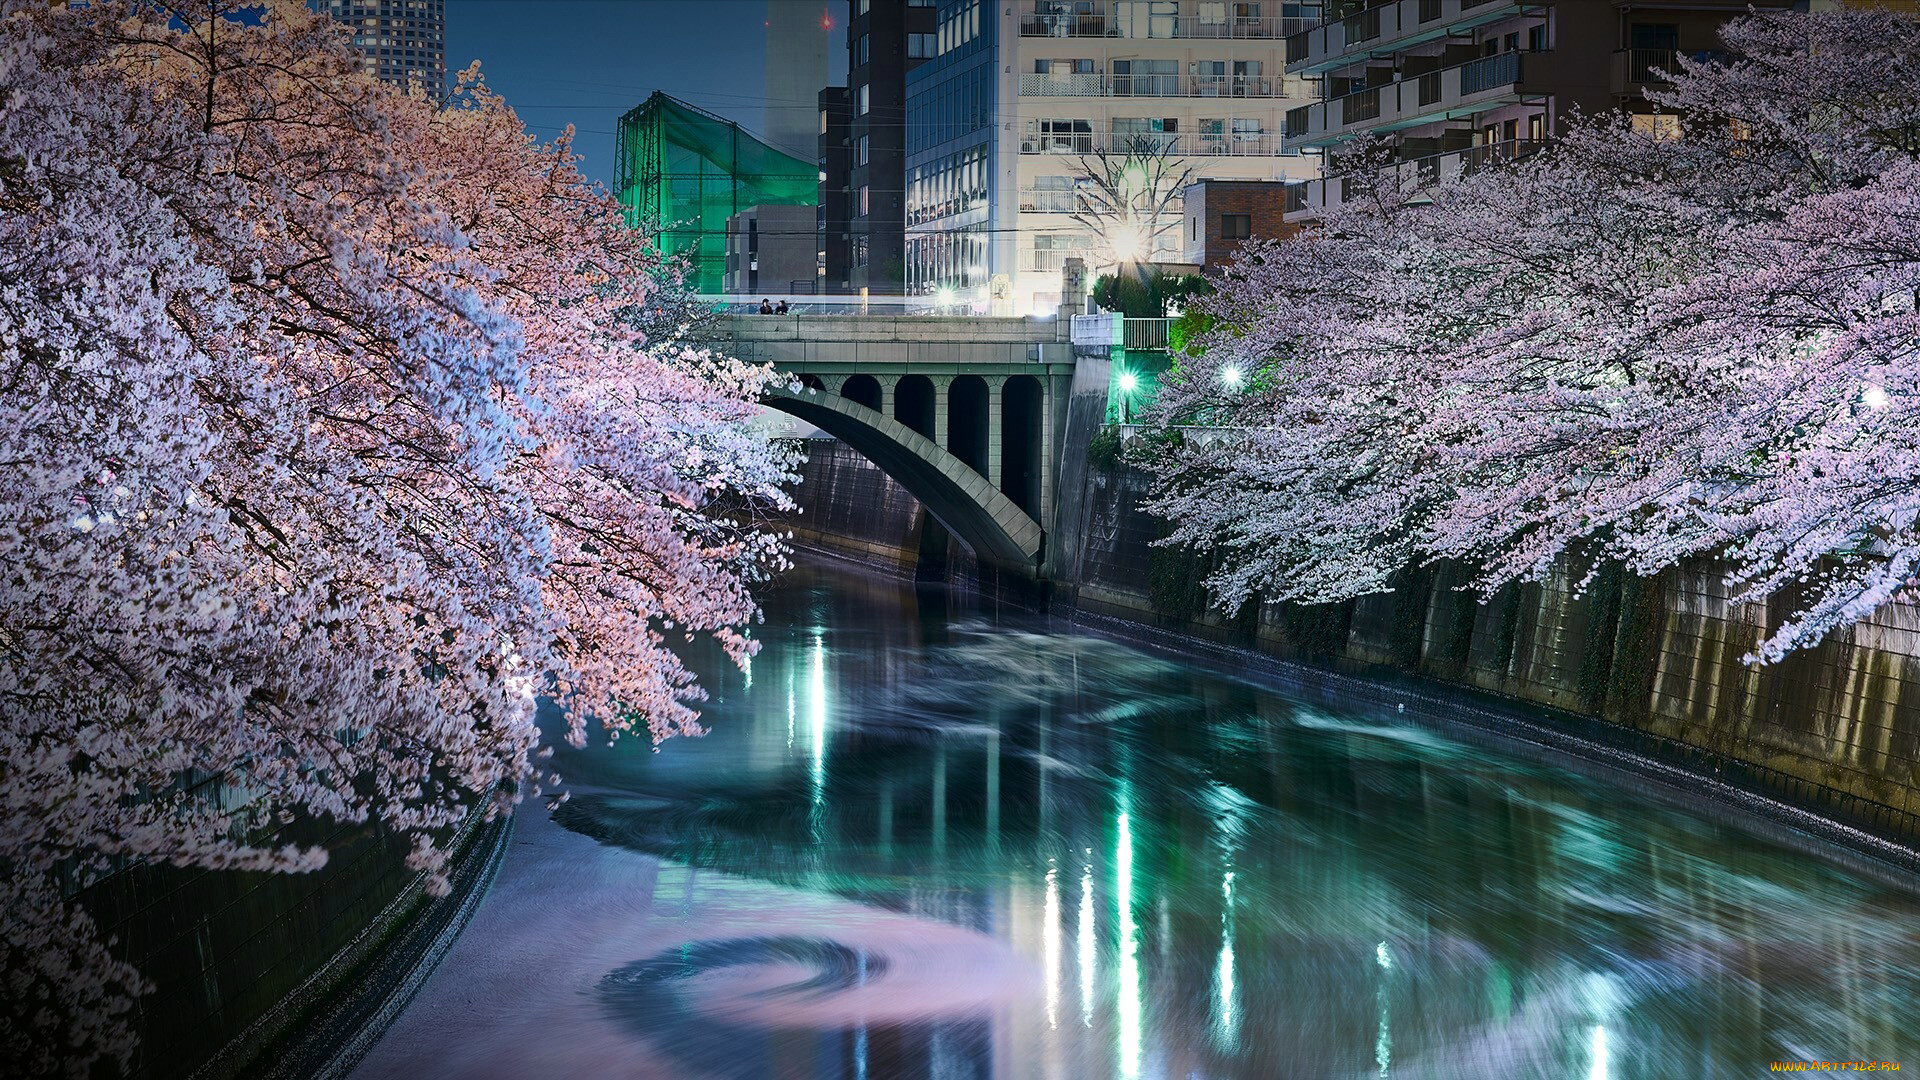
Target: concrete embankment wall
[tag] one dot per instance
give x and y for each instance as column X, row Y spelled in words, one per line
column 246, row 965
column 849, row 508
column 1653, row 666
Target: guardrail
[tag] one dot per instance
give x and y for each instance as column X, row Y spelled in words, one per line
column 1147, row 333
column 1197, row 434
column 1409, row 101
column 1184, row 144
column 1330, row 42
column 1090, row 84
column 1158, row 27
column 1313, row 196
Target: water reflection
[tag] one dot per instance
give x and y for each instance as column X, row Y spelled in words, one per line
column 1207, row 879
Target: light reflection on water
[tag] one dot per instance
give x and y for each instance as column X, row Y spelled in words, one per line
column 1207, row 879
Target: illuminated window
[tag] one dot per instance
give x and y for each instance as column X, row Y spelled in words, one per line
column 1658, row 125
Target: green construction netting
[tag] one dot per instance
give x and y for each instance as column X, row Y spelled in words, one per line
column 684, row 171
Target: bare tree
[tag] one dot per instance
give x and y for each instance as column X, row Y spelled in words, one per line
column 1130, row 196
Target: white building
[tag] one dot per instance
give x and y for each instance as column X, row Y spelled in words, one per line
column 1020, row 90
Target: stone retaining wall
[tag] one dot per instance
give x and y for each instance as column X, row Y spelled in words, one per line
column 1660, row 659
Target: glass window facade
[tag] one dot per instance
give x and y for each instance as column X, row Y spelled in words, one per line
column 950, row 154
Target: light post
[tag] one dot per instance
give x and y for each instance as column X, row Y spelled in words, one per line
column 1129, row 382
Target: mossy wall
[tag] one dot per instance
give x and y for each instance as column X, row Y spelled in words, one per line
column 1658, row 659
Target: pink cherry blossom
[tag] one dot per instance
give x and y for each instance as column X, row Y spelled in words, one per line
column 336, row 429
column 1627, row 348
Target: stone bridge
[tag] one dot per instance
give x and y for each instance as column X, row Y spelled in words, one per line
column 969, row 414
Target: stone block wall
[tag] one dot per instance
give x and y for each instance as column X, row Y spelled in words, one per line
column 849, row 507
column 1659, row 662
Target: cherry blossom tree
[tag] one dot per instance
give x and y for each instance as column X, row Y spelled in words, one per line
column 1631, row 347
column 331, row 437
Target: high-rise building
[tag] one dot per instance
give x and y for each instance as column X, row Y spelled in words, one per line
column 798, row 34
column 1018, row 94
column 1451, row 86
column 835, row 226
column 886, row 39
column 401, row 40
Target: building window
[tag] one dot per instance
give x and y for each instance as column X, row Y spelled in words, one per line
column 861, row 59
column 866, row 204
column 1658, row 125
column 1537, row 38
column 1236, row 226
column 1058, row 136
column 863, row 99
column 861, row 152
column 919, row 46
column 862, row 7
column 823, row 121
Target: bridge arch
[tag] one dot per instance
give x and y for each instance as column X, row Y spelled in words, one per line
column 990, row 523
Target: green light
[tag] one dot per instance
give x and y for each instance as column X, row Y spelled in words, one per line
column 1130, row 1027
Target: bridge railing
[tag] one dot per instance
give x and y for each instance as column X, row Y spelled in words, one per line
column 1197, row 434
column 812, row 304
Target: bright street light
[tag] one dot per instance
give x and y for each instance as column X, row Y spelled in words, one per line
column 1230, row 375
column 944, row 297
column 1129, row 382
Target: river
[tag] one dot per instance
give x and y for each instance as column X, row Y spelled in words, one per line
column 920, row 841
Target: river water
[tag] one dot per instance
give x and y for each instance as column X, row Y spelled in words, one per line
column 923, row 842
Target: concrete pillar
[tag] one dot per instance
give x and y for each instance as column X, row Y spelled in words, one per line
column 1073, row 288
column 942, row 392
column 995, row 385
column 1043, row 511
column 887, row 383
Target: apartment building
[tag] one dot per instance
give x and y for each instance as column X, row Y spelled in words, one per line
column 1020, row 91
column 1451, row 86
column 400, row 40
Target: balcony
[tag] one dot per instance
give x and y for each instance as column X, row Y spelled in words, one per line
column 1157, row 86
column 1185, row 144
column 1634, row 70
column 1105, row 24
column 1448, row 94
column 1306, row 201
column 1389, row 28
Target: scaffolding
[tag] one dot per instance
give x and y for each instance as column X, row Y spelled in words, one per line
column 684, row 171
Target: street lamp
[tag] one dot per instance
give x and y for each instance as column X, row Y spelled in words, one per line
column 1129, row 382
column 943, row 299
column 1231, row 376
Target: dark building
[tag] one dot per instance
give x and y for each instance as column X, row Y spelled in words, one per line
column 1220, row 215
column 401, row 39
column 836, row 193
column 885, row 40
column 1452, row 86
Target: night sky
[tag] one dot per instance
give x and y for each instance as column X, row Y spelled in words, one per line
column 587, row 61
